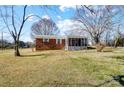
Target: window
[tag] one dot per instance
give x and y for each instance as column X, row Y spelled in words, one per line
column 58, row 41
column 45, row 40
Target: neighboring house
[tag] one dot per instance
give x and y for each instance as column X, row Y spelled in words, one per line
column 50, row 42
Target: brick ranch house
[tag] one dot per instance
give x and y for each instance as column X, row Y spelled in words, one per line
column 52, row 42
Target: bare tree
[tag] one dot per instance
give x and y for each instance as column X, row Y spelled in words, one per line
column 118, row 36
column 45, row 26
column 96, row 21
column 10, row 20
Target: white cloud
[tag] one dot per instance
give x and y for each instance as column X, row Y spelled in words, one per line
column 6, row 36
column 46, row 16
column 67, row 23
column 69, row 26
column 64, row 7
column 30, row 19
column 59, row 17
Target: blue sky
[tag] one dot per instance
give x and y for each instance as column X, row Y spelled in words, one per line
column 60, row 14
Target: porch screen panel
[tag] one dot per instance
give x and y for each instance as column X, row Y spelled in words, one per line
column 70, row 42
column 85, row 41
column 75, row 42
column 82, row 42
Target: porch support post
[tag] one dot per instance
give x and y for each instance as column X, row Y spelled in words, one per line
column 81, row 42
column 66, row 43
column 70, row 43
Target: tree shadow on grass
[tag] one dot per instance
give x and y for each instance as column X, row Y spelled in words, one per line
column 108, row 81
column 118, row 78
column 36, row 55
column 118, row 57
column 56, row 83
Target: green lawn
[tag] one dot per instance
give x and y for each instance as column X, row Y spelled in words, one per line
column 62, row 68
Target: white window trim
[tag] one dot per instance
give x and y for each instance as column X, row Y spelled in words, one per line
column 57, row 41
column 45, row 39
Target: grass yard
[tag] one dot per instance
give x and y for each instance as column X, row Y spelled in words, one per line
column 62, row 68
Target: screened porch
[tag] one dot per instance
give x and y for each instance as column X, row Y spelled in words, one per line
column 76, row 43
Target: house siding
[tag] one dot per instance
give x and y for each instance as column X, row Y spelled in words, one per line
column 51, row 45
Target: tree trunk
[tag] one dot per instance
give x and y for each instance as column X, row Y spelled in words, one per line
column 116, row 41
column 17, row 53
column 96, row 39
column 99, row 46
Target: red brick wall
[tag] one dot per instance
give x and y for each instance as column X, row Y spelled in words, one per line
column 40, row 45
